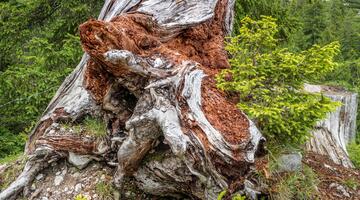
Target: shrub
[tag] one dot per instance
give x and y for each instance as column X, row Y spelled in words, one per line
column 269, row 81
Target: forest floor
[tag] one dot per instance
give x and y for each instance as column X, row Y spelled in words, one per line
column 62, row 181
column 336, row 181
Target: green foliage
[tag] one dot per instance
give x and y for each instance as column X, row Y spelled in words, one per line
column 354, row 153
column 296, row 185
column 39, row 48
column 95, row 127
column 80, row 197
column 269, row 81
column 279, row 9
column 235, row 197
column 105, row 191
column 10, row 144
column 221, row 195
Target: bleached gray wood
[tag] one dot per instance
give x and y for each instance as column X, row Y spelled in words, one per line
column 332, row 135
column 157, row 112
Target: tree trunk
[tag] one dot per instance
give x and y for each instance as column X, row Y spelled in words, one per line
column 148, row 72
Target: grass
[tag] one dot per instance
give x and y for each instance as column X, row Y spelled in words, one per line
column 352, row 183
column 10, row 158
column 354, row 153
column 90, row 126
column 95, row 127
column 296, row 185
column 105, row 191
column 12, row 172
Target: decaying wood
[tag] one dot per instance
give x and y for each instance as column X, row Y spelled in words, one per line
column 332, row 135
column 149, row 73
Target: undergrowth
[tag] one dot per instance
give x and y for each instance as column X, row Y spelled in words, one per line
column 354, row 153
column 105, row 191
column 12, row 171
column 295, row 185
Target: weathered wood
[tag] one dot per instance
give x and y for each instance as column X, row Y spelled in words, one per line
column 149, row 72
column 332, row 135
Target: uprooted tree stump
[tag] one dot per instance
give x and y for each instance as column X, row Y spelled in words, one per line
column 148, row 72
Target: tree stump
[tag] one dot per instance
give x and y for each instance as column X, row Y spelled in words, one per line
column 148, row 73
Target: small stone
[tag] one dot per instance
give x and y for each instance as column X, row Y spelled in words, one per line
column 340, row 189
column 78, row 187
column 44, row 198
column 39, row 177
column 102, row 177
column 66, row 189
column 129, row 194
column 76, row 174
column 64, row 171
column 79, row 161
column 48, row 189
column 290, row 162
column 116, row 195
column 58, row 180
column 33, row 187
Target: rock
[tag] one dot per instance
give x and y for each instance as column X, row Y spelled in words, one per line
column 33, row 187
column 116, row 195
column 64, row 171
column 78, row 187
column 39, row 177
column 58, row 180
column 340, row 189
column 290, row 162
column 129, row 194
column 79, row 161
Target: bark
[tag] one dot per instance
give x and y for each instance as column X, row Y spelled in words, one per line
column 149, row 73
column 331, row 135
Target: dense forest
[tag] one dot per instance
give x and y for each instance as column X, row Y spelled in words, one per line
column 276, row 46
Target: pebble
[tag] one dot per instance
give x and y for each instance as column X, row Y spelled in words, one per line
column 58, row 180
column 78, row 187
column 39, row 177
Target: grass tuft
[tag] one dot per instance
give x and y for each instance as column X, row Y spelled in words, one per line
column 95, row 127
